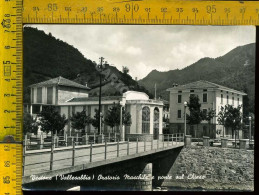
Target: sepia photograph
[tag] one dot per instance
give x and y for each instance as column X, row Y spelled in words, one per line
column 138, row 107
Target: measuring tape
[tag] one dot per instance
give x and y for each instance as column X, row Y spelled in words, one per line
column 13, row 13
column 11, row 96
column 142, row 12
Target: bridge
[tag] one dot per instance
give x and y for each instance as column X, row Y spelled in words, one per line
column 113, row 159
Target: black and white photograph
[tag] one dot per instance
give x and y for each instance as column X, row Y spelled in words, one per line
column 138, row 107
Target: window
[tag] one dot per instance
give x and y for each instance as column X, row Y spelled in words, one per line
column 35, row 109
column 227, row 99
column 156, row 121
column 145, row 120
column 238, row 101
column 191, row 90
column 221, row 99
column 205, row 97
column 179, row 91
column 233, row 99
column 32, row 95
column 204, row 130
column 191, row 95
column 204, row 111
column 49, row 95
column 204, row 89
column 179, row 98
column 179, row 128
column 39, row 95
column 179, row 114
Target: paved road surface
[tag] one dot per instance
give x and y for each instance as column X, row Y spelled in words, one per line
column 38, row 161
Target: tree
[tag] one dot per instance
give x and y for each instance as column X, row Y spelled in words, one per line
column 222, row 115
column 234, row 118
column 50, row 120
column 79, row 120
column 125, row 69
column 29, row 124
column 210, row 114
column 196, row 115
column 230, row 117
column 112, row 118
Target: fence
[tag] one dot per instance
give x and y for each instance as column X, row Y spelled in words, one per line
column 77, row 154
column 224, row 142
column 43, row 141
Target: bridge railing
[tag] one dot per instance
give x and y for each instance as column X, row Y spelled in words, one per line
column 57, row 158
column 43, row 141
column 223, row 142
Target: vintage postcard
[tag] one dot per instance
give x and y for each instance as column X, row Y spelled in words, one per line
column 138, row 107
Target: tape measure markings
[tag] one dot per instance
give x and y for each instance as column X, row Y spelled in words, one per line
column 142, row 12
column 85, row 12
column 11, row 95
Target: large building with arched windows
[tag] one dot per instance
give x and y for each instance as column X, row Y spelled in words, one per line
column 70, row 97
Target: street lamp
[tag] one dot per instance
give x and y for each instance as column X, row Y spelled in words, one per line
column 101, row 116
column 234, row 121
column 122, row 132
column 250, row 120
column 185, row 105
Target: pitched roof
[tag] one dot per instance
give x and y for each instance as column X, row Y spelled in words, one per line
column 204, row 85
column 86, row 99
column 59, row 81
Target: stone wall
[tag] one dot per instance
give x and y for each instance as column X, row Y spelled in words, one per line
column 212, row 169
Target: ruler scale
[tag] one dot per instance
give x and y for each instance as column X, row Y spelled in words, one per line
column 11, row 96
column 142, row 12
column 15, row 13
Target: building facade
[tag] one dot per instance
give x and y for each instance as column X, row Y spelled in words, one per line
column 70, row 97
column 212, row 96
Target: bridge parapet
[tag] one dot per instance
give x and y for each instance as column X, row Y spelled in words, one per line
column 58, row 159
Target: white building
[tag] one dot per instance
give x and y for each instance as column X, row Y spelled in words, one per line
column 70, row 97
column 212, row 96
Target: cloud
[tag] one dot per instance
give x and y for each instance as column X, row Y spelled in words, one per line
column 143, row 48
column 133, row 50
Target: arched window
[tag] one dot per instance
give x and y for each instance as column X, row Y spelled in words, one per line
column 145, row 120
column 156, row 123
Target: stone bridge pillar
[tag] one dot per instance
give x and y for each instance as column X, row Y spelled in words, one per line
column 206, row 141
column 187, row 140
column 224, row 142
column 242, row 144
column 145, row 184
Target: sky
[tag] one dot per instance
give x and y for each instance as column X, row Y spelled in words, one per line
column 143, row 48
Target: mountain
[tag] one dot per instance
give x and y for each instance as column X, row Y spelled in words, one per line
column 236, row 70
column 47, row 57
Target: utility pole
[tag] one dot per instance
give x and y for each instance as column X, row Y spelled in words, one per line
column 250, row 125
column 100, row 93
column 155, row 91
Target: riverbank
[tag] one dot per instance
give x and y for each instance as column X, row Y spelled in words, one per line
column 211, row 168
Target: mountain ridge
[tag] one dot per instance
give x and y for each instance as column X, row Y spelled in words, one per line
column 235, row 69
column 46, row 57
